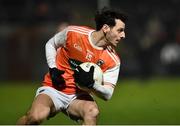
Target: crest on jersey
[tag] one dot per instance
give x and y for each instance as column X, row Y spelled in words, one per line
column 100, row 62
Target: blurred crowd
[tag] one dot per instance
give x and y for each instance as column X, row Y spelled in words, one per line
column 151, row 47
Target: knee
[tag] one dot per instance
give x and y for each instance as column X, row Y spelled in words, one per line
column 35, row 118
column 91, row 112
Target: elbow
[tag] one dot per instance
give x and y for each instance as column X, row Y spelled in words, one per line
column 105, row 93
column 50, row 44
column 108, row 94
column 107, row 97
column 47, row 45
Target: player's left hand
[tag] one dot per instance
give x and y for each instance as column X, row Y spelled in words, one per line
column 83, row 78
column 56, row 77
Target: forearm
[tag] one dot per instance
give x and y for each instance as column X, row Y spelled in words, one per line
column 103, row 91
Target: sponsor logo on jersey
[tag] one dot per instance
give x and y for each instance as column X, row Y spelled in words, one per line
column 78, row 47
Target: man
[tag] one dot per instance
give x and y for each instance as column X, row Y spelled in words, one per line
column 64, row 52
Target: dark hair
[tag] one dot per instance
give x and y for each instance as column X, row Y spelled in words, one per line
column 108, row 16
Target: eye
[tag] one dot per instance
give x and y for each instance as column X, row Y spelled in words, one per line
column 120, row 30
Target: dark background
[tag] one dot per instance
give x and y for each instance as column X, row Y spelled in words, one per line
column 151, row 47
column 147, row 92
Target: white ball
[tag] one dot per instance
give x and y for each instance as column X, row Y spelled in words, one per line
column 98, row 73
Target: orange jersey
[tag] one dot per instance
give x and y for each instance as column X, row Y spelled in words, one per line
column 74, row 47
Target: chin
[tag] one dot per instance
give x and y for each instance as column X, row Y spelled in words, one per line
column 115, row 44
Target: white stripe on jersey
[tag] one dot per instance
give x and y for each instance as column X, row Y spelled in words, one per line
column 78, row 32
column 80, row 29
column 117, row 59
column 113, row 53
column 112, row 56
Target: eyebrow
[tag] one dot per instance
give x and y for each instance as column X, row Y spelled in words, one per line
column 121, row 29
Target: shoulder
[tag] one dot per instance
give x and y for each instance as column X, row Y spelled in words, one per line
column 115, row 59
column 110, row 60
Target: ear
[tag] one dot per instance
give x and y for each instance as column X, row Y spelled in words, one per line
column 106, row 28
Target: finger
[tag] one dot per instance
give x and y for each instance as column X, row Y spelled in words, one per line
column 79, row 69
column 92, row 69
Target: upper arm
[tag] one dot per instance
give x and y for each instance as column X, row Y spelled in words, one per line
column 52, row 45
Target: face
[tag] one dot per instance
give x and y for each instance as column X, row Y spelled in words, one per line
column 115, row 34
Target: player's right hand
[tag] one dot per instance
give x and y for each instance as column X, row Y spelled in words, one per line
column 56, row 77
column 83, row 78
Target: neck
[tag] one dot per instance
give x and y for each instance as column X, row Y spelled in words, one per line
column 98, row 39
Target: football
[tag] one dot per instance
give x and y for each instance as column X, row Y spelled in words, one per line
column 98, row 73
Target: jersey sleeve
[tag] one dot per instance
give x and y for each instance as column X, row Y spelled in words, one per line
column 111, row 75
column 52, row 45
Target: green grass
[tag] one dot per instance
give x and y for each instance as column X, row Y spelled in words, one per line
column 156, row 101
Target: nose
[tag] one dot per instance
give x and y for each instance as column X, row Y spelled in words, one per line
column 123, row 35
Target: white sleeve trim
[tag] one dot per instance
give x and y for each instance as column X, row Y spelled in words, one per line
column 112, row 75
column 52, row 45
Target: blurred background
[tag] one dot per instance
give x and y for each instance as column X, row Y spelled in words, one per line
column 151, row 48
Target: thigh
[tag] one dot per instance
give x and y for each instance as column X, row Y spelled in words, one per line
column 78, row 106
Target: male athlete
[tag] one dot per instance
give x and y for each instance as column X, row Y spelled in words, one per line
column 64, row 52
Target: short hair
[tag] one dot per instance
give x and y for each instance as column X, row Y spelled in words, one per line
column 108, row 16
